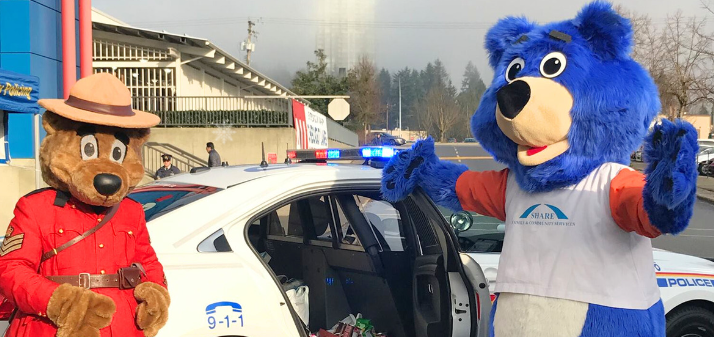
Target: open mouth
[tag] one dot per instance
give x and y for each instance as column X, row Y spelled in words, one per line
column 533, row 150
column 536, row 155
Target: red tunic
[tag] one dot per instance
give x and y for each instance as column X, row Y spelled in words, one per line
column 47, row 222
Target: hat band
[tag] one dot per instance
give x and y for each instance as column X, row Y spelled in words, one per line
column 115, row 110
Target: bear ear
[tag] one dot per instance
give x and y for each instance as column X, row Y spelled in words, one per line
column 503, row 35
column 607, row 32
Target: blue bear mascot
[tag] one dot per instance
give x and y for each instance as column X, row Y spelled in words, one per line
column 566, row 108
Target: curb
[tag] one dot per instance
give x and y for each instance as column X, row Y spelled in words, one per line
column 705, row 198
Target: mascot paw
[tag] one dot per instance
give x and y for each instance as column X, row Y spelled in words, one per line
column 79, row 312
column 153, row 310
column 403, row 172
column 670, row 153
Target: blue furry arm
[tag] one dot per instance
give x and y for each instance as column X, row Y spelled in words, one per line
column 419, row 166
column 449, row 184
column 670, row 175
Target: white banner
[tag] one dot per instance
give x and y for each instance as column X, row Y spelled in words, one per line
column 316, row 129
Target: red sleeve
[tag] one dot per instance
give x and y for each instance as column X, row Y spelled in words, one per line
column 626, row 203
column 483, row 192
column 19, row 263
column 145, row 254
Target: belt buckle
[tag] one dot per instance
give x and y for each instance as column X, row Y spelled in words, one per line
column 87, row 284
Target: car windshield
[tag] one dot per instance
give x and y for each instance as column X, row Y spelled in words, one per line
column 484, row 236
column 160, row 199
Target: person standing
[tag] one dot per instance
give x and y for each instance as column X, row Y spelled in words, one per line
column 214, row 159
column 167, row 169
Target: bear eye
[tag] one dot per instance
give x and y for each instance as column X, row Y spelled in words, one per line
column 514, row 68
column 118, row 151
column 553, row 64
column 88, row 147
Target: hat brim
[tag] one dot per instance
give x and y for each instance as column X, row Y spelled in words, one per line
column 139, row 120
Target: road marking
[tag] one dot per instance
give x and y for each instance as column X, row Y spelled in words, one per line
column 466, row 158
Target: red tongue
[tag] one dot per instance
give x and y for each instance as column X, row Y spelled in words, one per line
column 535, row 150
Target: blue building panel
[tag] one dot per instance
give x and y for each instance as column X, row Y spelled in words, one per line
column 20, row 137
column 44, row 32
column 15, row 26
column 17, row 62
column 50, row 73
column 51, row 4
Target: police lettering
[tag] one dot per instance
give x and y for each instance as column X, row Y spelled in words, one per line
column 9, row 89
column 685, row 282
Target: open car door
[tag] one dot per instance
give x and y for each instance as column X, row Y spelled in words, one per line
column 445, row 296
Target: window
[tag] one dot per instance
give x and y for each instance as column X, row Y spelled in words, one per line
column 160, row 199
column 215, row 243
column 347, row 234
column 290, row 219
column 385, row 222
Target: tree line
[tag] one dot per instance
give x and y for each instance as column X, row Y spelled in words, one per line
column 430, row 101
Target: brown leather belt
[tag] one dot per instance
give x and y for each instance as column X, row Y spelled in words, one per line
column 90, row 281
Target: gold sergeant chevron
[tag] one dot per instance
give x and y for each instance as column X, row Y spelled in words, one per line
column 11, row 244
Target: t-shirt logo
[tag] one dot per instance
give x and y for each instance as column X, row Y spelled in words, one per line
column 543, row 215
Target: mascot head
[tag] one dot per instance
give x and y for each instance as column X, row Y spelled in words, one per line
column 94, row 140
column 566, row 97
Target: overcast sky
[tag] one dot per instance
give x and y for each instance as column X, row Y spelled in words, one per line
column 282, row 47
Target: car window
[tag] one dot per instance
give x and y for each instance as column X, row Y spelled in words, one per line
column 160, row 199
column 385, row 221
column 347, row 234
column 485, row 235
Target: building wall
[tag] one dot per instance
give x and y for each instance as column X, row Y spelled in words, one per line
column 235, row 145
column 30, row 43
column 17, row 180
column 700, row 122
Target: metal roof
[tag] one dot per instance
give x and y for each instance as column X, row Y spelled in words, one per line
column 210, row 53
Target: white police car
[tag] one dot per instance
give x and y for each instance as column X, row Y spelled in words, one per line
column 235, row 240
column 686, row 283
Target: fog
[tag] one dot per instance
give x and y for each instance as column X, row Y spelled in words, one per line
column 408, row 33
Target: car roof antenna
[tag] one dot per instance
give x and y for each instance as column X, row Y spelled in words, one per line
column 263, row 163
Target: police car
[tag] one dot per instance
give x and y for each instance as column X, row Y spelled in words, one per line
column 234, row 241
column 686, row 282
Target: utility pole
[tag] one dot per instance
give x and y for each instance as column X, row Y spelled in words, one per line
column 400, row 106
column 249, row 44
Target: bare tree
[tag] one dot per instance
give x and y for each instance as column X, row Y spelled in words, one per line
column 365, row 93
column 679, row 57
column 440, row 113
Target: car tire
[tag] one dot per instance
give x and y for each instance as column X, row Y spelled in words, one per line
column 392, row 142
column 690, row 321
column 701, row 169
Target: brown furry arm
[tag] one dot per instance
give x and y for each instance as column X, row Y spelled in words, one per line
column 153, row 310
column 79, row 312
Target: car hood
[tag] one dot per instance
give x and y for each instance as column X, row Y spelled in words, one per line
column 670, row 262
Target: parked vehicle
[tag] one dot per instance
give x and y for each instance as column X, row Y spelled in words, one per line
column 470, row 140
column 387, row 139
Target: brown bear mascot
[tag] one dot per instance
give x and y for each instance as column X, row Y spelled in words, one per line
column 77, row 259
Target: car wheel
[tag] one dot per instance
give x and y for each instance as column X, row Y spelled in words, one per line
column 690, row 321
column 701, row 169
column 392, row 142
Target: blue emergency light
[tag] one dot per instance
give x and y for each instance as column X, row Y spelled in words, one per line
column 361, row 153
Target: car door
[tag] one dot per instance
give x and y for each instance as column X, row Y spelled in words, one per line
column 447, row 288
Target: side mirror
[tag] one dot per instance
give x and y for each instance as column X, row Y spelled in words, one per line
column 461, row 221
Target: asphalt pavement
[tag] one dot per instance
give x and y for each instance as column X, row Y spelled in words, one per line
column 697, row 239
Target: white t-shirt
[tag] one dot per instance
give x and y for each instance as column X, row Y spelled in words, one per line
column 565, row 244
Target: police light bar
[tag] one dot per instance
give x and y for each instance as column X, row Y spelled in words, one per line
column 359, row 153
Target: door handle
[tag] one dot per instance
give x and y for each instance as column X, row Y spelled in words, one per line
column 459, row 311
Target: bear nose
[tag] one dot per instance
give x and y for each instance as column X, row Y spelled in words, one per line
column 106, row 184
column 513, row 98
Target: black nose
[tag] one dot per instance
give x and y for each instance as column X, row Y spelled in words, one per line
column 512, row 98
column 106, row 184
